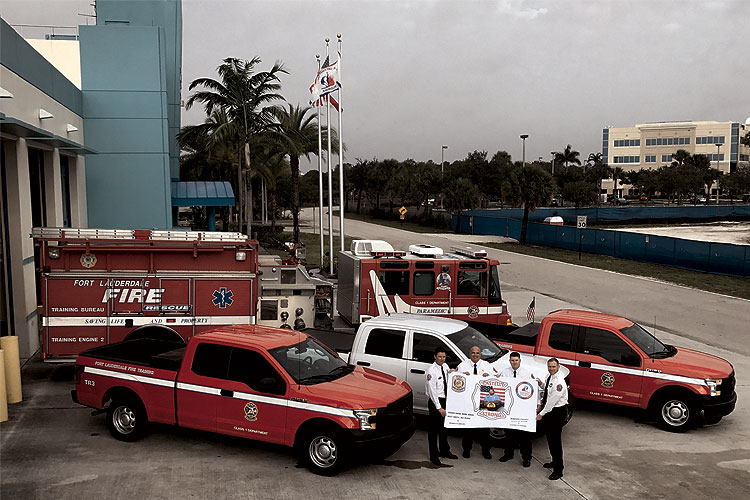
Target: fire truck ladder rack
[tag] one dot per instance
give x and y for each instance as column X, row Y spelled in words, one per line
column 65, row 233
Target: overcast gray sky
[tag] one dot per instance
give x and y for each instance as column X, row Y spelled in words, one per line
column 476, row 74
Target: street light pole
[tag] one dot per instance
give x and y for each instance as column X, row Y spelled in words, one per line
column 442, row 150
column 718, row 148
column 553, row 161
column 523, row 138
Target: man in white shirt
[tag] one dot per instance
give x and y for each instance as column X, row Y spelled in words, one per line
column 554, row 410
column 475, row 365
column 515, row 437
column 436, row 387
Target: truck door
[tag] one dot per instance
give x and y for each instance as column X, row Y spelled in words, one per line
column 608, row 369
column 421, row 356
column 384, row 350
column 253, row 400
column 199, row 388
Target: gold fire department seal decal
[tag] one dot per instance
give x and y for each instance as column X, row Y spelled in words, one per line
column 251, row 412
column 88, row 260
column 608, row 380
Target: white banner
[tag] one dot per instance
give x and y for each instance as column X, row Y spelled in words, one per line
column 505, row 402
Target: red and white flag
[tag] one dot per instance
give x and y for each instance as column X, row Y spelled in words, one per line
column 327, row 80
column 530, row 310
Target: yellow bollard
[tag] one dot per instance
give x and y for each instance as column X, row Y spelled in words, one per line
column 3, row 399
column 9, row 346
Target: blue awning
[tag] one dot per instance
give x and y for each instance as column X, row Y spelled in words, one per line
column 202, row 194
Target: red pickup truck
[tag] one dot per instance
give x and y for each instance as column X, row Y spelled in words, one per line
column 615, row 360
column 250, row 381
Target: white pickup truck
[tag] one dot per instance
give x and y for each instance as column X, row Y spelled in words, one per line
column 403, row 345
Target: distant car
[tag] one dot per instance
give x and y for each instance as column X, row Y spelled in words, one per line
column 644, row 197
column 701, row 199
column 622, row 200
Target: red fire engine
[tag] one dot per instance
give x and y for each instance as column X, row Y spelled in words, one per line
column 375, row 279
column 97, row 285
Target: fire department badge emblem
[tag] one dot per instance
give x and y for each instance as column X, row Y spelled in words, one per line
column 459, row 383
column 473, row 311
column 608, row 380
column 251, row 412
column 88, row 260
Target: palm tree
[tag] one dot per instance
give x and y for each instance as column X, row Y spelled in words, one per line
column 568, row 156
column 460, row 195
column 298, row 136
column 617, row 173
column 531, row 186
column 246, row 97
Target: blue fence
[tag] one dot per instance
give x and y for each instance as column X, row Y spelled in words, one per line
column 619, row 214
column 720, row 258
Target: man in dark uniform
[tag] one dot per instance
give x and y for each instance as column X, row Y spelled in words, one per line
column 436, row 387
column 554, row 410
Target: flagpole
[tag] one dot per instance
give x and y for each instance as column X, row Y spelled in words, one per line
column 320, row 179
column 330, row 180
column 341, row 157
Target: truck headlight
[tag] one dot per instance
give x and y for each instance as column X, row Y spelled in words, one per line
column 715, row 385
column 366, row 419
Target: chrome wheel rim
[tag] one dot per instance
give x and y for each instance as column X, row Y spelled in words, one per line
column 123, row 419
column 323, row 451
column 675, row 413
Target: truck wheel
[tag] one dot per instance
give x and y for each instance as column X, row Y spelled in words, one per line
column 126, row 419
column 324, row 451
column 676, row 413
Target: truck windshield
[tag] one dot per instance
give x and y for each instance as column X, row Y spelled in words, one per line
column 310, row 362
column 469, row 337
column 649, row 344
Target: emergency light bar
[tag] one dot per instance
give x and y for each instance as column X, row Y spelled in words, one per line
column 395, row 253
column 477, row 253
column 67, row 233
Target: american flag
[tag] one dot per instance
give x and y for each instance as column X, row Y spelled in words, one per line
column 484, row 391
column 530, row 310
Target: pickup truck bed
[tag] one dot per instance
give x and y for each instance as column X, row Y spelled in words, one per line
column 525, row 335
column 336, row 340
column 152, row 353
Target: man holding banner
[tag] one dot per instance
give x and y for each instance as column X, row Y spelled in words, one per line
column 475, row 365
column 514, row 437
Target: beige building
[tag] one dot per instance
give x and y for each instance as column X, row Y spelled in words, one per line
column 651, row 145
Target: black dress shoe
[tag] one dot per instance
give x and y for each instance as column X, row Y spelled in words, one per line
column 527, row 463
column 555, row 475
column 486, row 454
column 436, row 461
column 450, row 455
column 505, row 458
column 547, row 465
column 466, row 454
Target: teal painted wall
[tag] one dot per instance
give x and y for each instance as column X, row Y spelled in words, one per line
column 125, row 120
column 131, row 79
column 166, row 14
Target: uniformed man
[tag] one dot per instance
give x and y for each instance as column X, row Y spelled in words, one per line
column 514, row 437
column 436, row 387
column 554, row 410
column 475, row 365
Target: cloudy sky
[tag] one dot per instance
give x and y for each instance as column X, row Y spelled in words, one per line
column 474, row 75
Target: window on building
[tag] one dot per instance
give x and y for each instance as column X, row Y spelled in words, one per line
column 666, row 158
column 627, row 159
column 65, row 187
column 386, row 343
column 650, row 158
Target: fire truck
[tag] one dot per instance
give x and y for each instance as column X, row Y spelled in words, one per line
column 375, row 279
column 99, row 286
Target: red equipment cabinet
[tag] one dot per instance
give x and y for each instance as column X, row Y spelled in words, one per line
column 98, row 285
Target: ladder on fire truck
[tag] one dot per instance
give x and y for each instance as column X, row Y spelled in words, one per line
column 73, row 234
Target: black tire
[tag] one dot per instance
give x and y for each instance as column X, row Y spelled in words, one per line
column 324, row 450
column 676, row 412
column 126, row 419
